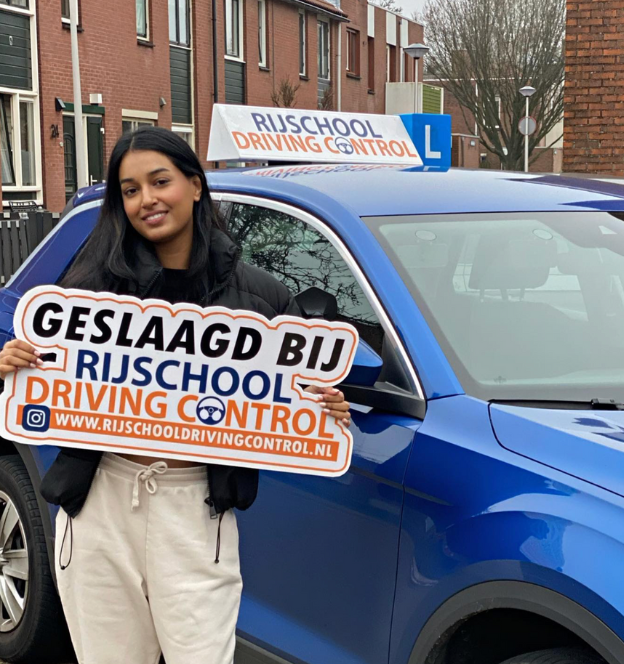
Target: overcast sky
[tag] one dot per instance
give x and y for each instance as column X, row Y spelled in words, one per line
column 411, row 5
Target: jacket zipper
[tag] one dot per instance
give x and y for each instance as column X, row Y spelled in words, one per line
column 221, row 287
column 151, row 283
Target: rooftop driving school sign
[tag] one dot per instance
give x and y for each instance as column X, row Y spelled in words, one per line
column 248, row 133
column 178, row 381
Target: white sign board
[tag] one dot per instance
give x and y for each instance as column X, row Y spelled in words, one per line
column 254, row 133
column 177, row 381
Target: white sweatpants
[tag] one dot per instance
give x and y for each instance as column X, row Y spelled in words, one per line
column 145, row 579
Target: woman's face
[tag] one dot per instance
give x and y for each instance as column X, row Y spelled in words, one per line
column 158, row 199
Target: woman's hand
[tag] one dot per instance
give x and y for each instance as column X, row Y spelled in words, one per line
column 332, row 402
column 16, row 354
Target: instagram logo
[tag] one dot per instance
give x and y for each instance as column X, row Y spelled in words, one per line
column 36, row 418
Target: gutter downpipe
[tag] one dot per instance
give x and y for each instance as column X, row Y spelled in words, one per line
column 339, row 73
column 215, row 61
column 81, row 166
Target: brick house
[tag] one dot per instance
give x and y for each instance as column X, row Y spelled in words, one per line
column 151, row 61
column 594, row 100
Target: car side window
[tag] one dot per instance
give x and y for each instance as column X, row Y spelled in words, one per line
column 301, row 257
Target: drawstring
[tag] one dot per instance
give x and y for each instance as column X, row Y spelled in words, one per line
column 219, row 537
column 147, row 476
column 68, row 524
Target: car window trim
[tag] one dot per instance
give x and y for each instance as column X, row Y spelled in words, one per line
column 319, row 225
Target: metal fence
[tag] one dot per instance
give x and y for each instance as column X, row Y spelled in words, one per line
column 20, row 232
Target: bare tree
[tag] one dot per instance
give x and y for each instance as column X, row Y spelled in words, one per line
column 484, row 51
column 286, row 94
column 390, row 5
column 326, row 102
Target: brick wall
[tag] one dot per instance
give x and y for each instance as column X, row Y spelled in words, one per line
column 594, row 87
column 128, row 75
column 132, row 75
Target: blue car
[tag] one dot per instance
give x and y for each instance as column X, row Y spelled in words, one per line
column 482, row 518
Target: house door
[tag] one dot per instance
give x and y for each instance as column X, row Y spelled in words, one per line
column 95, row 152
column 69, row 146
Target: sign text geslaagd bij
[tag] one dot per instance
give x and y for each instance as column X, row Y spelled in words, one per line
column 256, row 133
column 178, row 381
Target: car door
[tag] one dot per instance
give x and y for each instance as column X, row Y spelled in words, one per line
column 319, row 555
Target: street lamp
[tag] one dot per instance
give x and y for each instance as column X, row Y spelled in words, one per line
column 416, row 51
column 527, row 92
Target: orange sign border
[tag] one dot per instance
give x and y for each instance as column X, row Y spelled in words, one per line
column 234, row 314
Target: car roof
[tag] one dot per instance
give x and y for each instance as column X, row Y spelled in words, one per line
column 380, row 190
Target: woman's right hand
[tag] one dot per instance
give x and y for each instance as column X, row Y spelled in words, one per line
column 16, row 354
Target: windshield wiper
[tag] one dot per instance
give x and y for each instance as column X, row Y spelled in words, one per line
column 594, row 404
column 606, row 404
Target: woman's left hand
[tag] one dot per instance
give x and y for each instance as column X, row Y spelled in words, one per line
column 333, row 402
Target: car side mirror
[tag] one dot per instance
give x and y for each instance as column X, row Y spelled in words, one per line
column 316, row 303
column 366, row 366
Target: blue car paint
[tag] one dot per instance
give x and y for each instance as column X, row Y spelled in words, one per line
column 476, row 512
column 351, row 527
column 428, row 508
column 585, row 444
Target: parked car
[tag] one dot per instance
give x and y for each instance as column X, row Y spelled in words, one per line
column 482, row 518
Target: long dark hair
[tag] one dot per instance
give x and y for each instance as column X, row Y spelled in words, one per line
column 105, row 260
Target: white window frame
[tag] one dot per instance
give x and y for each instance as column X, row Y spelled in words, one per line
column 353, row 68
column 325, row 22
column 189, row 30
column 147, row 23
column 228, row 31
column 32, row 96
column 65, row 19
column 143, row 117
column 13, row 8
column 85, row 139
column 303, row 43
column 187, row 130
column 262, row 33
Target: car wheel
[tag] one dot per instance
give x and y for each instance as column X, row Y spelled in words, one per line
column 557, row 656
column 32, row 625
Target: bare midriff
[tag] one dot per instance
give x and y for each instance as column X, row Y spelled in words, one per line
column 148, row 461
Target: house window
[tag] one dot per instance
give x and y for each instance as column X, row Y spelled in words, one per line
column 302, row 43
column 323, row 49
column 390, row 63
column 27, row 147
column 17, row 141
column 65, row 10
column 179, row 22
column 185, row 133
column 234, row 28
column 353, row 52
column 22, row 4
column 371, row 63
column 262, row 37
column 142, row 18
column 7, row 141
column 130, row 124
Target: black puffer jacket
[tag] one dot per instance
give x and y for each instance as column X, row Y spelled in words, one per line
column 233, row 284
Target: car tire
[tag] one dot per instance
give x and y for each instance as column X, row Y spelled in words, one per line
column 32, row 629
column 557, row 656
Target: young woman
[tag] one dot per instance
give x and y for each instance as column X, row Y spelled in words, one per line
column 136, row 564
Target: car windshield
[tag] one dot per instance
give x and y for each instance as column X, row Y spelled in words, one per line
column 526, row 306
